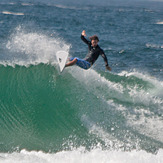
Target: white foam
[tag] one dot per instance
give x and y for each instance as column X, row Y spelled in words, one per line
column 159, row 23
column 142, row 119
column 26, row 4
column 12, row 13
column 140, row 115
column 65, row 7
column 90, row 76
column 80, row 155
column 100, row 132
column 149, row 45
column 155, row 82
column 71, row 7
column 147, row 124
column 116, row 90
column 145, row 116
column 11, row 3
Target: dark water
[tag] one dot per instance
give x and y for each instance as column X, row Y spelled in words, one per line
column 78, row 110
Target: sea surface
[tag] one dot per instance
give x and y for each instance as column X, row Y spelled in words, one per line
column 82, row 116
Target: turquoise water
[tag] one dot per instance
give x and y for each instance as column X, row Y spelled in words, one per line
column 80, row 115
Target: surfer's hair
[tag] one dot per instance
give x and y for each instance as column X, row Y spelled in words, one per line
column 94, row 37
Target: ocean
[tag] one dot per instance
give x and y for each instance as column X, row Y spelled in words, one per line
column 81, row 115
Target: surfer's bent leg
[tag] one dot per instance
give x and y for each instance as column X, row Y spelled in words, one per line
column 72, row 62
column 83, row 64
column 79, row 62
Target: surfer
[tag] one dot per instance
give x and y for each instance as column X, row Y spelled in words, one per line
column 94, row 52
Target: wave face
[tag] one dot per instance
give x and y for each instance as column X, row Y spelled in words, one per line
column 93, row 115
column 43, row 110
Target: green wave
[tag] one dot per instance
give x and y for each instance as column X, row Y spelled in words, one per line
column 42, row 109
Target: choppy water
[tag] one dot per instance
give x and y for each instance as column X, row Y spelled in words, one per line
column 81, row 116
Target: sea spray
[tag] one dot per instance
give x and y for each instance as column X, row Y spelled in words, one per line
column 33, row 47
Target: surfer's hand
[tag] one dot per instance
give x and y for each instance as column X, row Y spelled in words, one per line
column 83, row 33
column 108, row 68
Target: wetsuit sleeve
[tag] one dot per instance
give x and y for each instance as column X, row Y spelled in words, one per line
column 104, row 57
column 85, row 40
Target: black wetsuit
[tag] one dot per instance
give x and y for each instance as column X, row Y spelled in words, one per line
column 94, row 52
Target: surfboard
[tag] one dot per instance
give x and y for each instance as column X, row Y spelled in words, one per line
column 61, row 58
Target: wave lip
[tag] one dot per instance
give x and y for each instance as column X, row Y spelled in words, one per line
column 26, row 48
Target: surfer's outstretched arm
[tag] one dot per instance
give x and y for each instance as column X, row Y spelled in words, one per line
column 83, row 37
column 106, row 61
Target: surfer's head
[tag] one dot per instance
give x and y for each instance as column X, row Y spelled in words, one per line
column 94, row 40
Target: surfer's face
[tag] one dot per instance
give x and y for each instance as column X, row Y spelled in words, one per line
column 94, row 43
